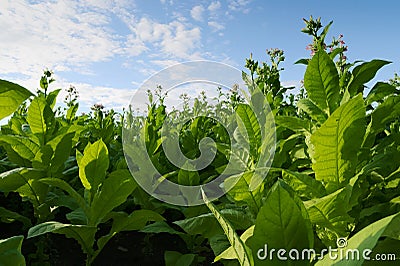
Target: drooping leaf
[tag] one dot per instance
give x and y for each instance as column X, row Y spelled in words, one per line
column 52, row 97
column 365, row 239
column 93, row 164
column 294, row 123
column 385, row 113
column 82, row 233
column 321, row 81
column 22, row 146
column 334, row 146
column 281, row 223
column 331, row 212
column 137, row 220
column 57, row 182
column 240, row 191
column 114, row 191
column 11, row 180
column 7, row 216
column 304, row 185
column 11, row 97
column 207, row 226
column 364, row 73
column 10, row 251
column 379, row 92
column 312, row 110
column 243, row 253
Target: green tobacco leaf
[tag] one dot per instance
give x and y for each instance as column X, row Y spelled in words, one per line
column 331, row 211
column 81, row 233
column 248, row 126
column 229, row 253
column 207, row 226
column 10, row 251
column 304, row 185
column 93, row 164
column 12, row 180
column 294, row 123
column 334, row 146
column 174, row 258
column 379, row 92
column 137, row 220
column 365, row 239
column 321, row 81
column 281, row 223
column 160, row 227
column 56, row 182
column 114, row 191
column 22, row 146
column 312, row 110
column 62, row 146
column 52, row 97
column 385, row 113
column 242, row 251
column 11, row 97
column 40, row 117
column 303, row 61
column 239, row 190
column 7, row 216
column 188, row 178
column 364, row 73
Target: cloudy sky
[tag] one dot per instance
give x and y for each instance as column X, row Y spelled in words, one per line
column 107, row 48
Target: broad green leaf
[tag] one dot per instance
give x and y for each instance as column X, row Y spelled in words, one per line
column 188, row 178
column 304, row 185
column 24, row 147
column 334, row 146
column 242, row 251
column 52, row 97
column 364, row 73
column 93, row 164
column 12, row 180
column 82, row 233
column 379, row 92
column 160, row 227
column 239, row 190
column 11, row 97
column 62, row 146
column 282, row 223
column 385, row 113
column 207, row 226
column 114, row 191
column 331, row 212
column 40, row 117
column 321, row 81
column 229, row 253
column 71, row 112
column 364, row 240
column 249, row 126
column 174, row 258
column 137, row 220
column 10, row 251
column 312, row 110
column 7, row 216
column 56, row 182
column 294, row 123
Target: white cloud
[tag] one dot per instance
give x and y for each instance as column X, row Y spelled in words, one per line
column 215, row 26
column 239, row 5
column 214, row 6
column 51, row 34
column 197, row 13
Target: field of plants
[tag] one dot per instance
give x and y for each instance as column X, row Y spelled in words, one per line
column 331, row 195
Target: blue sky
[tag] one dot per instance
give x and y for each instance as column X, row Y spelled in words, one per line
column 107, row 48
